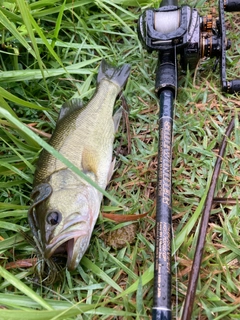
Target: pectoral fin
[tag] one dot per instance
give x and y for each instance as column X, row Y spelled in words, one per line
column 117, row 118
column 89, row 163
column 111, row 170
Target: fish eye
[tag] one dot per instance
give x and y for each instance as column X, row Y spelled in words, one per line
column 53, row 218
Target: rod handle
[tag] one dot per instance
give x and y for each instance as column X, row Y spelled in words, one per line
column 232, row 5
column 161, row 314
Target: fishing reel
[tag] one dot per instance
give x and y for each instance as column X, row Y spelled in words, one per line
column 190, row 35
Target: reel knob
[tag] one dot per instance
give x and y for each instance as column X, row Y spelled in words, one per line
column 231, row 5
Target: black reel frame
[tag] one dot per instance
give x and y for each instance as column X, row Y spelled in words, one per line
column 194, row 38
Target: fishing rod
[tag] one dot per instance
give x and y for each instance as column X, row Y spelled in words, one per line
column 174, row 31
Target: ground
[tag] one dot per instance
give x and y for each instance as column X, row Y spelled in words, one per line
column 50, row 52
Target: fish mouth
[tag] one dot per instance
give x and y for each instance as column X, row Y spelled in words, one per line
column 72, row 243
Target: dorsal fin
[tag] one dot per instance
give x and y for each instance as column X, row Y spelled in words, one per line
column 69, row 107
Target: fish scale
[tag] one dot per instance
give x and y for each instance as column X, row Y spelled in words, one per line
column 80, row 132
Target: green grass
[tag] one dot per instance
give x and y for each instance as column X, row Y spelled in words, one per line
column 50, row 53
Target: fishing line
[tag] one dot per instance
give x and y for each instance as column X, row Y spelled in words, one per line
column 173, row 233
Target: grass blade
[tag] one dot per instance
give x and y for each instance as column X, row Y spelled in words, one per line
column 24, row 288
column 26, row 75
column 10, row 27
column 101, row 274
column 55, row 153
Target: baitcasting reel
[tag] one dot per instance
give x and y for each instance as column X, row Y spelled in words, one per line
column 190, row 35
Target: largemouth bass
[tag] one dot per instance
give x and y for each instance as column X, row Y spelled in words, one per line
column 65, row 207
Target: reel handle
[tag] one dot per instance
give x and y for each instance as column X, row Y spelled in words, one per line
column 232, row 86
column 232, row 5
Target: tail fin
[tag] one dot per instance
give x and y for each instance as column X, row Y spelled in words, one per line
column 118, row 75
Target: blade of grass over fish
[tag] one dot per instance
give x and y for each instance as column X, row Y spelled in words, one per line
column 11, row 27
column 24, row 75
column 56, row 154
column 24, row 288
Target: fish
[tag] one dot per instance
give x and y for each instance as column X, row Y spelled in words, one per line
column 64, row 206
